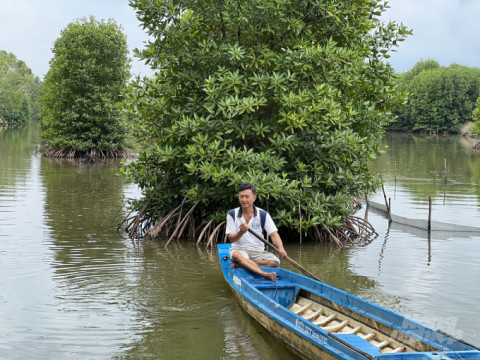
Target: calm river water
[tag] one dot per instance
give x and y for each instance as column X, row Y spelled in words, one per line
column 72, row 287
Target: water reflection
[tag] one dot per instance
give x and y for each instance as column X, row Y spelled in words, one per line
column 81, row 202
column 16, row 148
column 90, row 262
column 189, row 311
column 413, row 167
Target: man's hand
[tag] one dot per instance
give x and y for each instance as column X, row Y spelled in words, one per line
column 282, row 253
column 279, row 244
column 244, row 227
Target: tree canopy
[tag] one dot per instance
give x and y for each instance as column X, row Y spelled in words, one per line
column 441, row 98
column 82, row 89
column 18, row 91
column 289, row 95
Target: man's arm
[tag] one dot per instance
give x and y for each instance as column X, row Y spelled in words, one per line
column 277, row 241
column 236, row 236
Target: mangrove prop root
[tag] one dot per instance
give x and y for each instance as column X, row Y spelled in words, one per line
column 215, row 234
column 92, row 155
column 179, row 228
column 207, row 232
column 205, row 228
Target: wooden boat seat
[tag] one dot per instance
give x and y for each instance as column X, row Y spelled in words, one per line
column 313, row 314
column 368, row 337
column 384, row 344
column 325, row 320
column 354, row 330
column 303, row 309
column 337, row 327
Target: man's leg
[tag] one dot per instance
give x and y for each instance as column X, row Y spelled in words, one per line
column 267, row 263
column 264, row 258
column 252, row 266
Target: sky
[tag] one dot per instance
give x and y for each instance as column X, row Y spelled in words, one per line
column 444, row 30
column 28, row 28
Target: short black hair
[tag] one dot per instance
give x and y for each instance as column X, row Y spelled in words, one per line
column 247, row 186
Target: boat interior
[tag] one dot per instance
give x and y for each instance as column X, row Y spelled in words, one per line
column 345, row 324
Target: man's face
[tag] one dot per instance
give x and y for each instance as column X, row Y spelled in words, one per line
column 246, row 198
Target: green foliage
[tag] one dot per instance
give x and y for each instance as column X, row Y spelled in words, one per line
column 441, row 98
column 83, row 86
column 18, row 91
column 290, row 95
column 475, row 130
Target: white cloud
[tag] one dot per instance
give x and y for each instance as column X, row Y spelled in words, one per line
column 444, row 30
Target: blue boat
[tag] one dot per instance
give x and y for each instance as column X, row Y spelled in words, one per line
column 318, row 321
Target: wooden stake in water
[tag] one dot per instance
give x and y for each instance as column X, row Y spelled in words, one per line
column 395, row 188
column 444, row 180
column 445, row 171
column 429, row 213
column 395, row 171
column 386, row 202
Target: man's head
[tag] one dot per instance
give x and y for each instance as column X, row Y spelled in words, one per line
column 247, row 186
column 247, row 194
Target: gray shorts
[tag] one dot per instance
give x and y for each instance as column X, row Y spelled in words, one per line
column 256, row 255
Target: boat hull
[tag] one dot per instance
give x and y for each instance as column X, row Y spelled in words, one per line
column 318, row 321
column 297, row 344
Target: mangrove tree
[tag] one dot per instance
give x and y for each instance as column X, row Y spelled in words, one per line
column 82, row 89
column 289, row 95
column 18, row 91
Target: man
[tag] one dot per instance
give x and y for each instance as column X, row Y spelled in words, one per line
column 247, row 251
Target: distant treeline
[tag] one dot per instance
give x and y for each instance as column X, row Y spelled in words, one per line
column 18, row 91
column 440, row 99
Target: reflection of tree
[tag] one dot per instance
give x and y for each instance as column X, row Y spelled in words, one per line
column 474, row 168
column 80, row 201
column 421, row 160
column 467, row 144
column 17, row 149
column 92, row 269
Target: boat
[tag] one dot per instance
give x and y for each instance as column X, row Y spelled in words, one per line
column 318, row 321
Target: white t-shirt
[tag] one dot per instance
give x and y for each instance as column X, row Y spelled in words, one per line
column 249, row 241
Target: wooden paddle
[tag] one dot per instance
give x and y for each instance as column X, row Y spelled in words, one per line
column 291, row 261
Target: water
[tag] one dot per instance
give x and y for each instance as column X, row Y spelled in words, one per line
column 414, row 170
column 73, row 287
